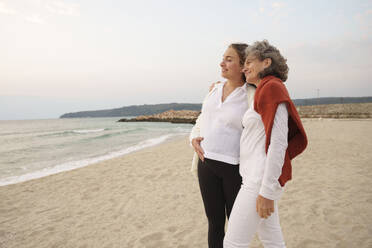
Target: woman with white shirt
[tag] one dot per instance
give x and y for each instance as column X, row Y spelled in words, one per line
column 215, row 139
column 273, row 135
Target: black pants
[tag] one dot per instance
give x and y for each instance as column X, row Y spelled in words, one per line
column 219, row 185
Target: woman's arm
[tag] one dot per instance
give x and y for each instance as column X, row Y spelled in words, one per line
column 195, row 137
column 195, row 131
column 212, row 85
column 270, row 187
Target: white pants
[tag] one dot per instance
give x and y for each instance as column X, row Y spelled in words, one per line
column 244, row 222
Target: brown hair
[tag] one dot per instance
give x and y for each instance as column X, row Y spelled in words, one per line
column 240, row 49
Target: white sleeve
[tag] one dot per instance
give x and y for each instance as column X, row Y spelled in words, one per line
column 250, row 94
column 195, row 131
column 270, row 187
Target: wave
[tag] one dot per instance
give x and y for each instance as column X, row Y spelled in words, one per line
column 108, row 135
column 88, row 130
column 85, row 162
column 79, row 131
column 66, row 132
column 85, row 131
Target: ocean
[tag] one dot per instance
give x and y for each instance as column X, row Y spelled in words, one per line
column 32, row 149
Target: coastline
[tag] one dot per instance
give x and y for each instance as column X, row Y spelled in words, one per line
column 126, row 201
column 68, row 166
column 149, row 198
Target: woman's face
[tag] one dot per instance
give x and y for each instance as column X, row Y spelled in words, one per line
column 253, row 66
column 230, row 65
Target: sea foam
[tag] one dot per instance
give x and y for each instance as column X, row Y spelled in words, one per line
column 84, row 162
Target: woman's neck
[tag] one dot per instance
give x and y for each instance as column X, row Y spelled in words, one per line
column 257, row 82
column 234, row 83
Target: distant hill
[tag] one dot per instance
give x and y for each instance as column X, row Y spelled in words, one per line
column 136, row 110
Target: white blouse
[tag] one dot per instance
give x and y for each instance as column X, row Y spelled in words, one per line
column 221, row 124
column 261, row 171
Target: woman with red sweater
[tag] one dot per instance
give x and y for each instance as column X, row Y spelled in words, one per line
column 272, row 136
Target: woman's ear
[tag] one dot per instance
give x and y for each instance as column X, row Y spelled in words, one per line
column 267, row 62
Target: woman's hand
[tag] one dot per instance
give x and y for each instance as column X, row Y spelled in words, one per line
column 264, row 207
column 196, row 144
column 212, row 85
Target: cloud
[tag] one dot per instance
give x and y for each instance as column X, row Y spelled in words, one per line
column 365, row 22
column 338, row 67
column 277, row 5
column 274, row 10
column 36, row 11
column 4, row 9
column 63, row 8
column 34, row 19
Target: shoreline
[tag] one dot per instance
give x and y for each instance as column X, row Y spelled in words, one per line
column 73, row 165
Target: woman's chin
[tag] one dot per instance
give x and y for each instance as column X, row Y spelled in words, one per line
column 249, row 80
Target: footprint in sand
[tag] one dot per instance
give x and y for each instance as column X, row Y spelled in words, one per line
column 172, row 229
column 153, row 240
column 181, row 235
column 334, row 218
column 310, row 243
column 152, row 237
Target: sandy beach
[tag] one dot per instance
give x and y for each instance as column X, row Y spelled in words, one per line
column 150, row 199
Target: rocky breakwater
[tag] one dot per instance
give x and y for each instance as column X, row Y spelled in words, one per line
column 173, row 116
column 338, row 111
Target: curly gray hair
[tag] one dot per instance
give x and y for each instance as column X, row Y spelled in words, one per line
column 262, row 50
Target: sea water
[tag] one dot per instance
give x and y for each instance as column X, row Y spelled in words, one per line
column 32, row 149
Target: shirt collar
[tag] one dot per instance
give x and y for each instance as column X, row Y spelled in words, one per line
column 243, row 87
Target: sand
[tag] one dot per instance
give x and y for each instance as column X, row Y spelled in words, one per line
column 150, row 199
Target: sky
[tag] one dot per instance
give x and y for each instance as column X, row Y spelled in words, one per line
column 59, row 56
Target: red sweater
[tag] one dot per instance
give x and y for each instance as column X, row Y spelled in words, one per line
column 269, row 93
